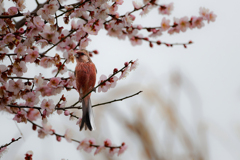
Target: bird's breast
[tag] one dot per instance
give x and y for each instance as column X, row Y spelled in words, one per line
column 85, row 77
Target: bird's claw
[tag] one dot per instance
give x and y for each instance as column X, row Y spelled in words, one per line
column 80, row 99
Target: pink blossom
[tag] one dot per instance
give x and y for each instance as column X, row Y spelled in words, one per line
column 120, row 2
column 15, row 86
column 50, row 34
column 165, row 24
column 46, row 62
column 44, row 90
column 21, row 116
column 183, row 24
column 48, row 10
column 66, row 113
column 89, row 148
column 20, row 5
column 137, row 5
column 173, row 30
column 5, row 101
column 52, row 7
column 33, row 114
column 93, row 26
column 77, row 13
column 48, row 105
column 42, row 42
column 9, row 38
column 86, row 145
column 2, row 150
column 128, row 19
column 38, row 21
column 69, row 55
column 166, row 9
column 136, row 40
column 3, row 68
column 99, row 149
column 38, row 80
column 54, row 81
column 146, row 9
column 105, row 86
column 46, row 130
column 19, row 68
column 132, row 32
column 31, row 98
column 68, row 135
column 84, row 43
column 113, row 81
column 113, row 9
column 79, row 121
column 125, row 72
column 113, row 151
column 20, row 50
column 103, row 12
column 211, row 17
column 134, row 65
column 12, row 10
column 114, row 28
column 197, row 22
column 62, row 105
column 155, row 33
column 107, row 143
column 32, row 55
column 204, row 12
column 122, row 149
column 3, row 48
column 62, row 71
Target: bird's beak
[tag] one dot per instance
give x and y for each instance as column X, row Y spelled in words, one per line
column 76, row 55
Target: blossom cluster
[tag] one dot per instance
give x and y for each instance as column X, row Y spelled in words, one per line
column 89, row 144
column 106, row 83
column 32, row 40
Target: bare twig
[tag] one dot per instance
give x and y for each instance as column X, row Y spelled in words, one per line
column 13, row 140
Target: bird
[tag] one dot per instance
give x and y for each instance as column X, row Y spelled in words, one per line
column 85, row 72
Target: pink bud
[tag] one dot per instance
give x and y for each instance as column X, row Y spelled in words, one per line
column 126, row 64
column 66, row 113
column 151, row 45
column 95, row 51
column 115, row 70
column 58, row 138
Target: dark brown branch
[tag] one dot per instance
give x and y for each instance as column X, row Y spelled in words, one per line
column 71, row 32
column 100, row 104
column 13, row 140
column 79, row 107
column 20, row 23
column 116, row 100
column 59, row 135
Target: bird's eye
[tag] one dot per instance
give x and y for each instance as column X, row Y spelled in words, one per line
column 81, row 53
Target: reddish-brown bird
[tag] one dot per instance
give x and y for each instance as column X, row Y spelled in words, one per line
column 85, row 73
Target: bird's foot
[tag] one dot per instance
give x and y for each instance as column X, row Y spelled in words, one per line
column 80, row 99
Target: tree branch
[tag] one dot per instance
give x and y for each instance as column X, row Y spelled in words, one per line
column 13, row 140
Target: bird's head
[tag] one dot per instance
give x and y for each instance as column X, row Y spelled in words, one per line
column 82, row 55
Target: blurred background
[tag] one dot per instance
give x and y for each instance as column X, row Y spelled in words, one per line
column 189, row 107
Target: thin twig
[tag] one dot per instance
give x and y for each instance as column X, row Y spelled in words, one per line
column 13, row 140
column 56, row 134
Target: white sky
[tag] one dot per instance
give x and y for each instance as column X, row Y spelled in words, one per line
column 211, row 64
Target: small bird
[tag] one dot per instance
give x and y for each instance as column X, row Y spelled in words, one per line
column 85, row 72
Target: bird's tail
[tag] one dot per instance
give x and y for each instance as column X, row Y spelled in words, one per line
column 87, row 115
